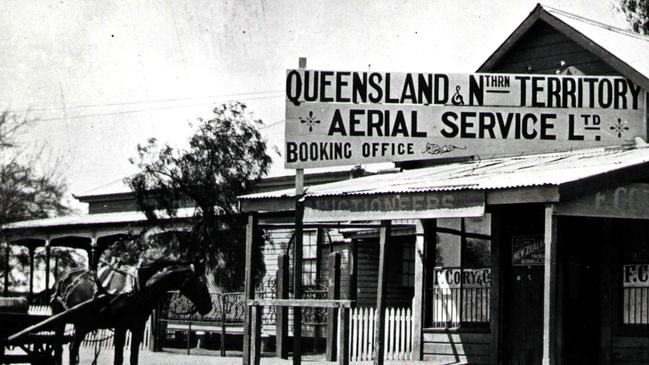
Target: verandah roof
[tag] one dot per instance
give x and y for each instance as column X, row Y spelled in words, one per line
column 548, row 177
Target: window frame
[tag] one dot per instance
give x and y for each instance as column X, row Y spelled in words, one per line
column 462, row 324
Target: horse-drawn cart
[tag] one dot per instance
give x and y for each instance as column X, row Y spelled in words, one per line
column 31, row 338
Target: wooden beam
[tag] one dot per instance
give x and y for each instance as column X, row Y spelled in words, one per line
column 281, row 313
column 550, row 289
column 534, row 194
column 326, row 225
column 379, row 332
column 249, row 284
column 497, row 281
column 423, row 230
column 332, row 315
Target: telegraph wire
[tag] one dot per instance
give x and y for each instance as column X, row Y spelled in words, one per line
column 144, row 110
column 87, row 106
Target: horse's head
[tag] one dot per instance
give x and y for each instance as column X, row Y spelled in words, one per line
column 188, row 277
column 195, row 288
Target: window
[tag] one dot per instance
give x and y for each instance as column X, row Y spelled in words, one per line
column 462, row 274
column 635, row 276
column 310, row 259
column 407, row 265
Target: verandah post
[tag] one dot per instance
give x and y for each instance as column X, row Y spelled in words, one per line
column 424, row 231
column 550, row 288
column 297, row 283
column 297, row 256
column 332, row 315
column 249, row 285
column 281, row 313
column 48, row 254
column 496, row 290
column 379, row 328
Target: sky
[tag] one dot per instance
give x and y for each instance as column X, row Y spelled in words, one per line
column 99, row 77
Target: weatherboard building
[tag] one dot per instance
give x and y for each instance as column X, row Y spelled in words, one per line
column 515, row 230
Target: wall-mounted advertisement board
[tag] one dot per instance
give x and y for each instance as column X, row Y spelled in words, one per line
column 345, row 118
column 528, row 251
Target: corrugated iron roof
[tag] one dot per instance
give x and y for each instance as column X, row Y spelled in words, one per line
column 498, row 173
column 90, row 219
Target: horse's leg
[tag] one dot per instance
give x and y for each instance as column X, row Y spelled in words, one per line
column 118, row 341
column 137, row 332
column 78, row 337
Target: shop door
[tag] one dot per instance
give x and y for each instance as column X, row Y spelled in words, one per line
column 524, row 303
column 524, row 326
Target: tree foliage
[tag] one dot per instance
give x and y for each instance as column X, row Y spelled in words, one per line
column 25, row 192
column 28, row 190
column 225, row 157
column 637, row 14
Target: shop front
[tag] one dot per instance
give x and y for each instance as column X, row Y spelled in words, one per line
column 522, row 188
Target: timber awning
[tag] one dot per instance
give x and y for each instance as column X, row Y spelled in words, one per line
column 463, row 188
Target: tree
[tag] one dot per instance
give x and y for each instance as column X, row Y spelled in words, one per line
column 637, row 14
column 26, row 192
column 225, row 158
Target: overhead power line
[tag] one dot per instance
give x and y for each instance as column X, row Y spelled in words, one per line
column 102, row 105
column 83, row 116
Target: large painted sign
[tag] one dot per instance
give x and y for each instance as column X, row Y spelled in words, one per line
column 629, row 201
column 435, row 204
column 342, row 118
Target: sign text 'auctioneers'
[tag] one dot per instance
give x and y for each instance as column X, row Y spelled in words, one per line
column 342, row 118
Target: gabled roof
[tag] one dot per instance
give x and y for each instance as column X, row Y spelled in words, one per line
column 624, row 51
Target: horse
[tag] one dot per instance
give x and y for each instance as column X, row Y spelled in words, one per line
column 124, row 300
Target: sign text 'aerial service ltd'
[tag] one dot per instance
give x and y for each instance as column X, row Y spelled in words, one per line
column 343, row 118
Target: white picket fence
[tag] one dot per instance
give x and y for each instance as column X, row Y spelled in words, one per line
column 398, row 334
column 102, row 338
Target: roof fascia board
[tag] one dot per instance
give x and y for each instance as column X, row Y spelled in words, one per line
column 533, row 194
column 268, row 204
column 595, row 48
column 610, row 179
column 509, row 43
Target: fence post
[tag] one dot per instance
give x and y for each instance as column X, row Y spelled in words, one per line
column 343, row 350
column 332, row 316
column 255, row 329
column 223, row 318
column 153, row 331
column 281, row 313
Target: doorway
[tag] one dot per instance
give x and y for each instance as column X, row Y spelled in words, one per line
column 522, row 257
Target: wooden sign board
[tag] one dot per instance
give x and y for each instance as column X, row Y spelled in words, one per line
column 628, row 201
column 468, row 278
column 437, row 204
column 635, row 276
column 343, row 118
